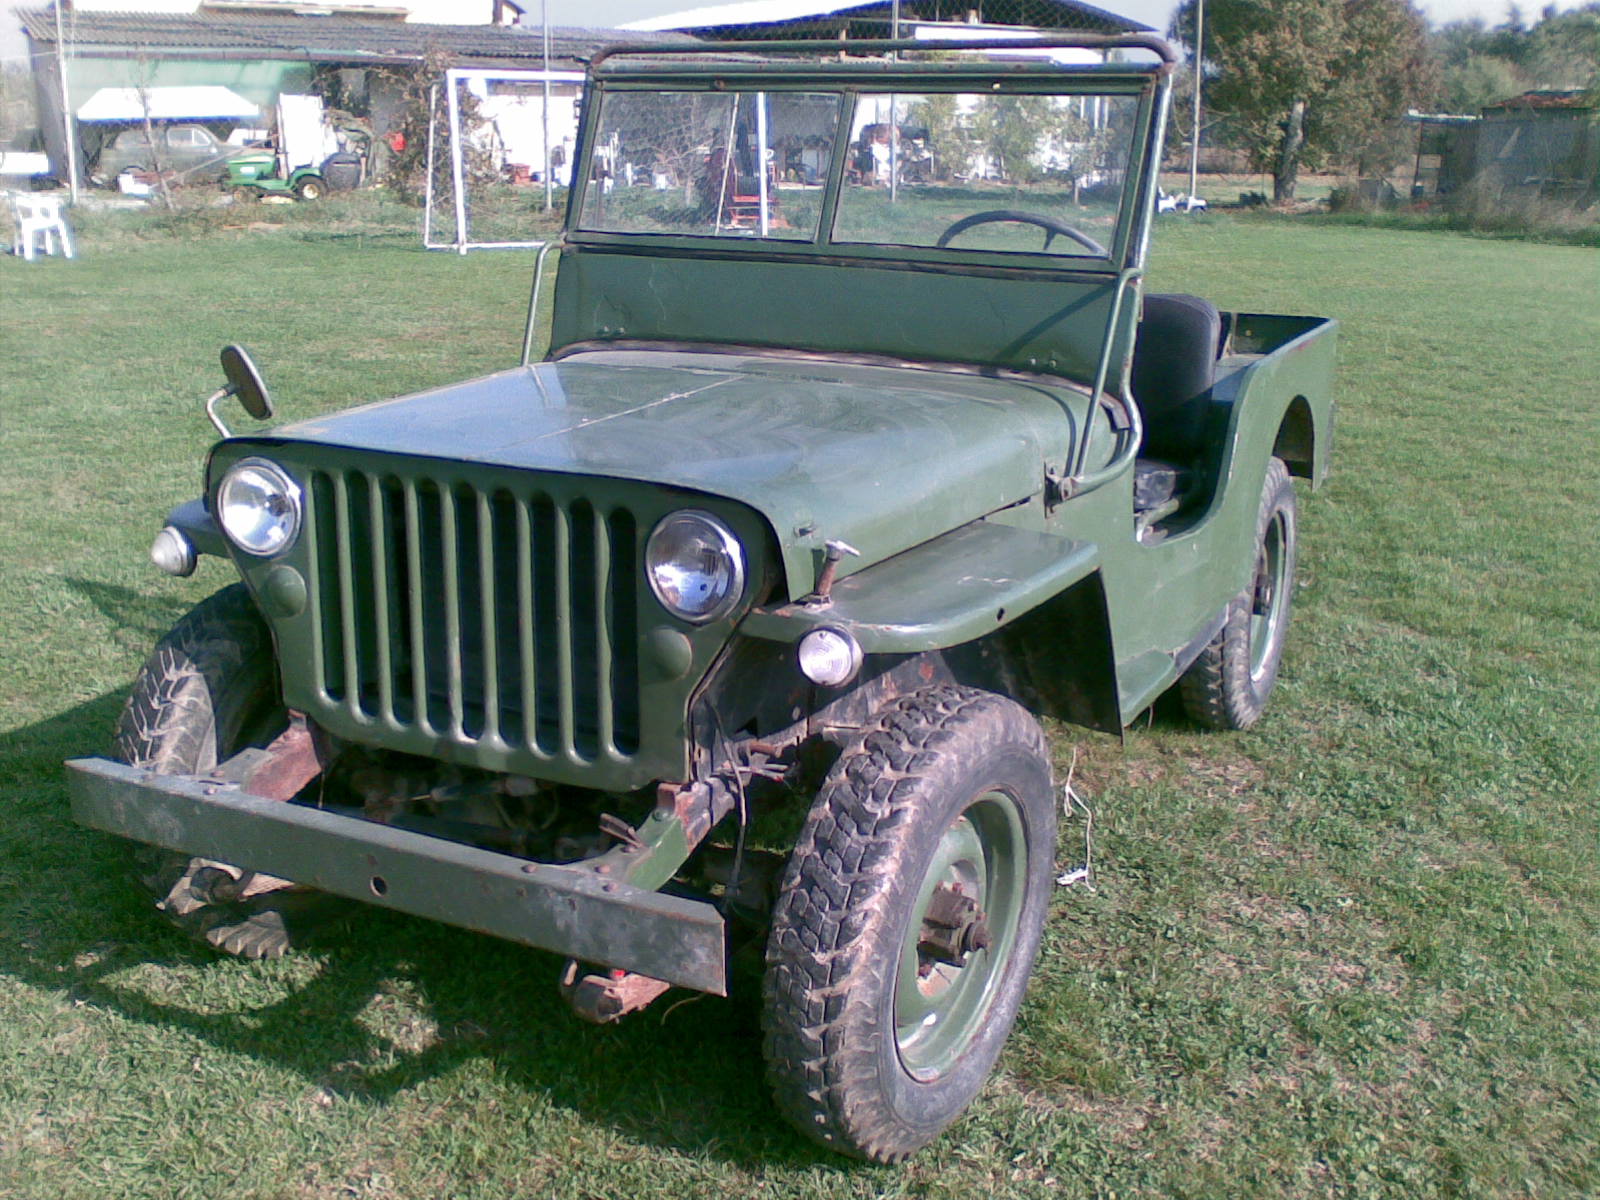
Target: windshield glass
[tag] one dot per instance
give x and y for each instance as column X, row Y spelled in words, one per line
column 717, row 164
column 982, row 169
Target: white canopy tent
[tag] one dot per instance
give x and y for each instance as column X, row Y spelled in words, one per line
column 191, row 103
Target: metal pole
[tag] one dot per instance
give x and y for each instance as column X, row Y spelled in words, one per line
column 894, row 114
column 427, row 183
column 549, row 184
column 761, row 160
column 70, row 126
column 1199, row 73
column 727, row 162
column 457, row 172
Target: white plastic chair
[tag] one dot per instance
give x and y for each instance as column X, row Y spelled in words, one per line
column 39, row 223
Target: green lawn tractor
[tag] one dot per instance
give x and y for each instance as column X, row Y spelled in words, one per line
column 252, row 176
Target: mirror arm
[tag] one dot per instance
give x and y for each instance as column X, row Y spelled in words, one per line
column 211, row 410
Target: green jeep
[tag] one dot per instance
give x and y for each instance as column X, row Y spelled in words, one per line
column 726, row 628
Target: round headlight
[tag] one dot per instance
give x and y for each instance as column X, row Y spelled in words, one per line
column 829, row 657
column 258, row 507
column 695, row 566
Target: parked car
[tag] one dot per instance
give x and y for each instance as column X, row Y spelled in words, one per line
column 191, row 152
column 811, row 512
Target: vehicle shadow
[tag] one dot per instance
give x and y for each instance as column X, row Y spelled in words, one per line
column 685, row 1074
column 138, row 617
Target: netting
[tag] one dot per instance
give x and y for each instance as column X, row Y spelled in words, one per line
column 921, row 19
column 500, row 153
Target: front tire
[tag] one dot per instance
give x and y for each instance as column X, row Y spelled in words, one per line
column 209, row 689
column 1228, row 685
column 908, row 921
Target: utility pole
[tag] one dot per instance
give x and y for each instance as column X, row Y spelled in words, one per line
column 549, row 184
column 1199, row 74
column 66, row 109
column 894, row 115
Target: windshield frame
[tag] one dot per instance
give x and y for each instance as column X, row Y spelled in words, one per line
column 647, row 69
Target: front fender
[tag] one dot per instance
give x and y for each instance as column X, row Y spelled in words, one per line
column 193, row 519
column 951, row 590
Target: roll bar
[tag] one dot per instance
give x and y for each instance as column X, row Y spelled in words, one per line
column 857, row 47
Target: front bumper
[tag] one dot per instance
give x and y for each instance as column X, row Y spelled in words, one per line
column 563, row 909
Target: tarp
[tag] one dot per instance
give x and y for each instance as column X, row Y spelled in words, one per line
column 207, row 102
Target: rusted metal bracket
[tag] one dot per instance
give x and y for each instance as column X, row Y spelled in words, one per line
column 281, row 770
column 604, row 998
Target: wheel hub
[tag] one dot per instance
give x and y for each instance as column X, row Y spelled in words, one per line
column 953, row 927
column 1266, row 589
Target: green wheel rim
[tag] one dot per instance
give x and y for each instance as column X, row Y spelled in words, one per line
column 1267, row 594
column 940, row 1007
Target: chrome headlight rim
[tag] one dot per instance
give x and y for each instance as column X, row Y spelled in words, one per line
column 286, row 486
column 727, row 543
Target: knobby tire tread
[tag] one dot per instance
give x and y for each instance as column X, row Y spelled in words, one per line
column 218, row 656
column 1216, row 690
column 834, row 892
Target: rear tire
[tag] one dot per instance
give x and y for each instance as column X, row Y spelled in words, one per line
column 876, row 1039
column 1228, row 685
column 311, row 189
column 209, row 689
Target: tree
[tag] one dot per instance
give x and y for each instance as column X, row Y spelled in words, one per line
column 1564, row 49
column 1305, row 81
column 1476, row 81
column 1481, row 65
column 1021, row 134
column 950, row 137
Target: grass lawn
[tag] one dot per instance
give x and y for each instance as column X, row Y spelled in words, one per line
column 1351, row 953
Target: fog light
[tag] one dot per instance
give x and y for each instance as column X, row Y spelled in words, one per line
column 173, row 552
column 829, row 657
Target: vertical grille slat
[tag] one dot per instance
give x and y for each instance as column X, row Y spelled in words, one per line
column 383, row 594
column 347, row 593
column 528, row 673
column 560, row 555
column 488, row 618
column 314, row 564
column 605, row 712
column 478, row 614
column 624, row 627
column 452, row 610
column 417, row 611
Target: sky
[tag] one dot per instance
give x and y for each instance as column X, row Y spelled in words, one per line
column 616, row 12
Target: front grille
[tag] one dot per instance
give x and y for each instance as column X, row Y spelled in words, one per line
column 504, row 617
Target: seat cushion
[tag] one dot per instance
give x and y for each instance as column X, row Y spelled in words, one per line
column 1155, row 482
column 1174, row 366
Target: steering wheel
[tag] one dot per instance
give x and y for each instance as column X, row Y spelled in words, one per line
column 1050, row 225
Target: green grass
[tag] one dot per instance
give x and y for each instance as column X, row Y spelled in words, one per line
column 1351, row 953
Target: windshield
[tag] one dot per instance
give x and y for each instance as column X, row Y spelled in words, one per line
column 728, row 164
column 969, row 170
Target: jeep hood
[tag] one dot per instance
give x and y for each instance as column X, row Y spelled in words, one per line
column 883, row 457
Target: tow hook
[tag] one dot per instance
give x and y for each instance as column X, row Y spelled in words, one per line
column 607, row 996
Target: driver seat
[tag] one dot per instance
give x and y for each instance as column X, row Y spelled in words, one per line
column 1174, row 365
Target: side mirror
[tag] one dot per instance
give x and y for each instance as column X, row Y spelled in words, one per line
column 245, row 382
